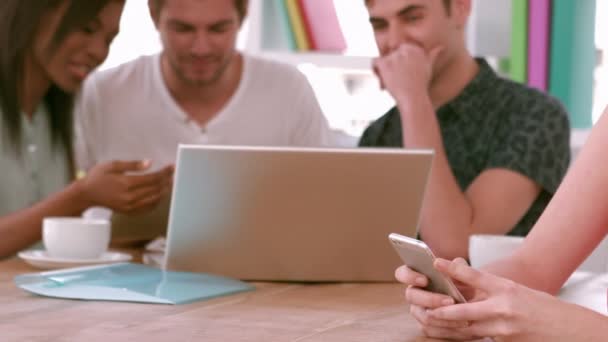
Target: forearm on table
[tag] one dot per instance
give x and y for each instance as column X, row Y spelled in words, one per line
column 579, row 324
column 518, row 270
column 447, row 214
column 23, row 228
column 447, row 217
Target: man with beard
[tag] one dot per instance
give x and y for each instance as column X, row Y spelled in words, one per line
column 198, row 90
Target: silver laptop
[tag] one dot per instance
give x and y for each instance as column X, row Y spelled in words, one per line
column 291, row 214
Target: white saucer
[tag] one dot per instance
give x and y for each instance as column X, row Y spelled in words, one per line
column 40, row 259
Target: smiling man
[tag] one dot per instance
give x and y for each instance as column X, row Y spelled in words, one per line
column 198, row 90
column 501, row 148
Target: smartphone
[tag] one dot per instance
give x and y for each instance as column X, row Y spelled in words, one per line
column 419, row 257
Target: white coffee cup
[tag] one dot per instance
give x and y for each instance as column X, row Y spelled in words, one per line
column 75, row 238
column 484, row 249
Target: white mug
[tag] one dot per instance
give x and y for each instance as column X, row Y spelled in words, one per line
column 484, row 249
column 75, row 238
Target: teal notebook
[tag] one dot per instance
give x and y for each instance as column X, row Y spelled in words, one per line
column 276, row 29
column 128, row 282
column 573, row 58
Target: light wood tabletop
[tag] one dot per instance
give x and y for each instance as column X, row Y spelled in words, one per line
column 273, row 312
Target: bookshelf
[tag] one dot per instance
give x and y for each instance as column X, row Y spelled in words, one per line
column 344, row 84
column 488, row 34
column 326, row 60
column 358, row 56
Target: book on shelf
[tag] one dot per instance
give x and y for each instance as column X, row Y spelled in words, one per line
column 519, row 41
column 276, row 27
column 573, row 58
column 322, row 25
column 539, row 27
column 297, row 25
column 301, row 25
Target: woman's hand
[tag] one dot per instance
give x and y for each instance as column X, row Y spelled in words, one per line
column 109, row 185
column 422, row 301
column 501, row 308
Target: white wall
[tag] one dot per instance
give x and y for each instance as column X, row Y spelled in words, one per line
column 489, row 30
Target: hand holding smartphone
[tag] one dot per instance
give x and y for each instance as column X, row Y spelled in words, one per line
column 416, row 255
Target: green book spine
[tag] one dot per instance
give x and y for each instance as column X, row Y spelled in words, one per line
column 518, row 65
column 297, row 25
column 573, row 58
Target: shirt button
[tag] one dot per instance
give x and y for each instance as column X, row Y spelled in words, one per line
column 32, row 148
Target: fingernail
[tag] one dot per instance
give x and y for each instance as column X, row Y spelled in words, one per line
column 442, row 263
column 461, row 261
column 420, row 281
column 447, row 301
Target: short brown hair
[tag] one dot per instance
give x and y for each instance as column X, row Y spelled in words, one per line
column 241, row 6
column 446, row 3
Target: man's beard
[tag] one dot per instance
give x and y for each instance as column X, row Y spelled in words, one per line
column 217, row 75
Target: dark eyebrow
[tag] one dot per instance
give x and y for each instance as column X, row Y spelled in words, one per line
column 179, row 23
column 222, row 23
column 375, row 20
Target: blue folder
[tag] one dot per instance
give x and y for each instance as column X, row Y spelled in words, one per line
column 127, row 282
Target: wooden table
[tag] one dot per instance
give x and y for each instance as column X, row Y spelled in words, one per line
column 273, row 312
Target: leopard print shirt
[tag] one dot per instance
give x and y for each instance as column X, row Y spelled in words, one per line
column 496, row 123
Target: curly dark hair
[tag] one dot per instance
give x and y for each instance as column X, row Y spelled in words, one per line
column 446, row 3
